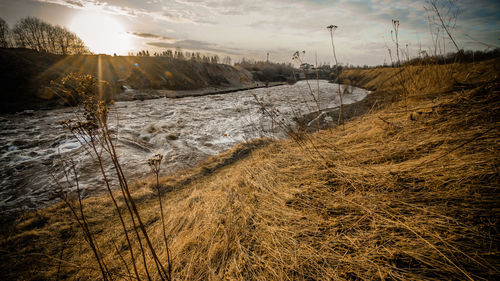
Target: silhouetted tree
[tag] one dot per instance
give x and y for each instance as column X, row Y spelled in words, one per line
column 267, row 71
column 4, row 34
column 227, row 60
column 35, row 34
column 214, row 59
column 178, row 53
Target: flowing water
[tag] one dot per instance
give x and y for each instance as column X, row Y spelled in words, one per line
column 185, row 130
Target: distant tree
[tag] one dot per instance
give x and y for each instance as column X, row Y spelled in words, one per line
column 26, row 33
column 192, row 56
column 215, row 59
column 4, row 34
column 143, row 53
column 40, row 36
column 178, row 53
column 227, row 60
column 267, row 71
column 72, row 43
column 63, row 40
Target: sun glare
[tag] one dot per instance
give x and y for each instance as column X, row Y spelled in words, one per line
column 103, row 34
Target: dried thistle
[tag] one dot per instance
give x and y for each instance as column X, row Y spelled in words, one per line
column 332, row 28
column 155, row 165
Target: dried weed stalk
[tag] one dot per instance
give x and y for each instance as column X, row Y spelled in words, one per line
column 90, row 128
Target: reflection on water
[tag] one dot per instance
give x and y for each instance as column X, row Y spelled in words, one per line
column 186, row 130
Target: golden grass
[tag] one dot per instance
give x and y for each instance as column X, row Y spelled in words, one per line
column 401, row 193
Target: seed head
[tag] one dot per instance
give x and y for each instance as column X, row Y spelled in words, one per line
column 332, row 27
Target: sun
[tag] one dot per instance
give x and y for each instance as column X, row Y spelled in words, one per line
column 102, row 33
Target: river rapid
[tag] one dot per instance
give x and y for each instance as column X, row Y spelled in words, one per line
column 186, row 130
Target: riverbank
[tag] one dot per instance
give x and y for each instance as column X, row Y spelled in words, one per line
column 408, row 190
column 26, row 78
column 131, row 94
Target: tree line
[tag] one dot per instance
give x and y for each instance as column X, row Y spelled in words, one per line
column 179, row 54
column 268, row 71
column 33, row 33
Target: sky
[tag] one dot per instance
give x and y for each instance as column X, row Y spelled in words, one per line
column 253, row 28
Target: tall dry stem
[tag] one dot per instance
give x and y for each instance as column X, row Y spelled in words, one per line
column 332, row 29
column 447, row 20
column 90, row 127
column 155, row 165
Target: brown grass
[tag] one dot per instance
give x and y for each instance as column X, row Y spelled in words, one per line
column 398, row 194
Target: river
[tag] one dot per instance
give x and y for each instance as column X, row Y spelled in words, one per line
column 186, row 130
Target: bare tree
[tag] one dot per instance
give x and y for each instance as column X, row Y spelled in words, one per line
column 227, row 60
column 4, row 34
column 62, row 40
column 35, row 34
column 28, row 33
column 214, row 59
column 178, row 53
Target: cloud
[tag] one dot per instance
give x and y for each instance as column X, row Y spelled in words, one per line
column 95, row 5
column 150, row 35
column 165, row 14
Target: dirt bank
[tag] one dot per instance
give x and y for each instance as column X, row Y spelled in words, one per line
column 26, row 74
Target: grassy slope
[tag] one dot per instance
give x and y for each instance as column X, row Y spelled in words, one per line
column 401, row 193
column 25, row 73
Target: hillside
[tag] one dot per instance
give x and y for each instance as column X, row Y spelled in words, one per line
column 406, row 190
column 26, row 73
